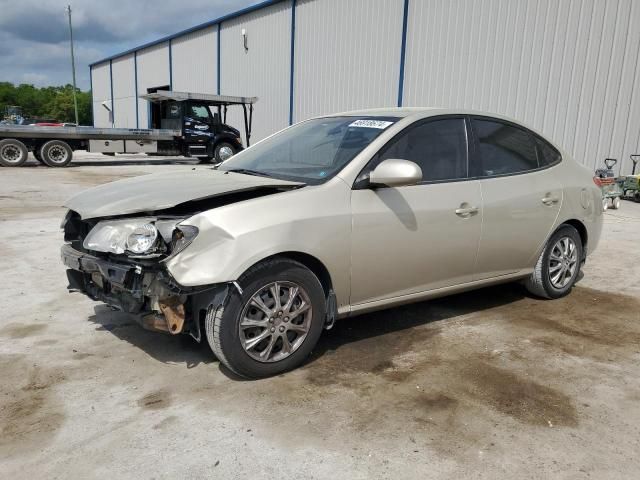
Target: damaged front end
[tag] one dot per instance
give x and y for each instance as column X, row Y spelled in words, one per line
column 121, row 262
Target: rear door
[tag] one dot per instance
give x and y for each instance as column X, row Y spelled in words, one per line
column 521, row 195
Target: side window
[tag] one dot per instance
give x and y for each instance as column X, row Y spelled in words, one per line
column 199, row 112
column 439, row 147
column 504, row 149
column 547, row 155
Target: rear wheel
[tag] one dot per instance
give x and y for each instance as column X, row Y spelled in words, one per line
column 273, row 325
column 223, row 151
column 56, row 153
column 13, row 153
column 615, row 204
column 558, row 267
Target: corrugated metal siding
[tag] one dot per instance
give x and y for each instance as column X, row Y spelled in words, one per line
column 101, row 91
column 124, row 92
column 347, row 55
column 195, row 61
column 153, row 71
column 569, row 69
column 262, row 71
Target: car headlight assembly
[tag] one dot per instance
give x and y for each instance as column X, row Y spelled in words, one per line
column 182, row 236
column 143, row 239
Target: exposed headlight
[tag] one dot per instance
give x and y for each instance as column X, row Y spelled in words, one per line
column 143, row 236
column 142, row 239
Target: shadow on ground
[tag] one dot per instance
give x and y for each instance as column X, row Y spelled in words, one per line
column 389, row 326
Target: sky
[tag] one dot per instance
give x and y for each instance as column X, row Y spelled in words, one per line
column 34, row 34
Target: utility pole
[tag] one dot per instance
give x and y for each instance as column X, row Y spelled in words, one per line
column 73, row 65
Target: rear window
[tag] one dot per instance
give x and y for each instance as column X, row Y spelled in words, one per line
column 504, row 149
column 547, row 155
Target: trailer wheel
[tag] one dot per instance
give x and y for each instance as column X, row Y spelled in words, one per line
column 56, row 153
column 13, row 153
column 223, row 151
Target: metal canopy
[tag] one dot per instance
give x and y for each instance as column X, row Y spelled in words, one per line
column 163, row 95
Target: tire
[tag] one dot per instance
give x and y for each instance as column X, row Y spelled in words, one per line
column 615, row 204
column 267, row 357
column 605, row 204
column 13, row 153
column 56, row 153
column 36, row 155
column 221, row 152
column 541, row 282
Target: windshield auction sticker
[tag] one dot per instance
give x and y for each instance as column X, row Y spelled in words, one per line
column 381, row 124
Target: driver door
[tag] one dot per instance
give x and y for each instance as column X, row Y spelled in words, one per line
column 198, row 127
column 416, row 238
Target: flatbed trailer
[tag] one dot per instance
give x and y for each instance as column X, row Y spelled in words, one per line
column 188, row 127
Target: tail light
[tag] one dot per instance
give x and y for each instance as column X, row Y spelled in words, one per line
column 597, row 181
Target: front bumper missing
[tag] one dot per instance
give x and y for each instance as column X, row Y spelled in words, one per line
column 149, row 293
column 143, row 292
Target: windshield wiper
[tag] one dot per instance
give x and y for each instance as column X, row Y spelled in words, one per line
column 247, row 171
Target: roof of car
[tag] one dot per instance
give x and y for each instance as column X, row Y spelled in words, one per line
column 419, row 111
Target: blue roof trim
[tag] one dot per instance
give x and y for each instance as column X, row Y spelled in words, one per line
column 292, row 59
column 202, row 26
column 403, row 53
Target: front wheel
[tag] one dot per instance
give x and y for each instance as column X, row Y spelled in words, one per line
column 223, row 151
column 558, row 267
column 273, row 325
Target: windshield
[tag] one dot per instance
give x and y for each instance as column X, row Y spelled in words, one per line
column 312, row 151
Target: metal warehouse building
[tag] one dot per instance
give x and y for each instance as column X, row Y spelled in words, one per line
column 569, row 68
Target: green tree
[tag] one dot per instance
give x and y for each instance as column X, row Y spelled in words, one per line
column 54, row 103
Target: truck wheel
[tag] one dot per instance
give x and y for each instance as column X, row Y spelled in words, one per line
column 13, row 153
column 223, row 151
column 558, row 267
column 275, row 323
column 56, row 153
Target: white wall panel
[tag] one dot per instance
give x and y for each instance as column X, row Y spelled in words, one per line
column 262, row 71
column 195, row 61
column 124, row 91
column 101, row 91
column 347, row 55
column 569, row 69
column 153, row 71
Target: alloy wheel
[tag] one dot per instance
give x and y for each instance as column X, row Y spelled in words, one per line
column 275, row 321
column 563, row 261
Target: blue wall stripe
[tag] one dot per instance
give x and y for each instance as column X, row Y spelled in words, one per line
column 93, row 113
column 218, row 59
column 403, row 52
column 292, row 60
column 170, row 66
column 113, row 112
column 135, row 75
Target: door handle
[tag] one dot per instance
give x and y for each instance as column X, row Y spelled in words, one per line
column 466, row 212
column 549, row 200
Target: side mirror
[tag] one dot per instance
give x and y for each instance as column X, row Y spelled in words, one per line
column 395, row 173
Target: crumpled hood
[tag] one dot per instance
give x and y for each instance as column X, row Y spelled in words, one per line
column 164, row 190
